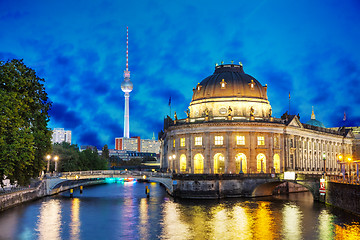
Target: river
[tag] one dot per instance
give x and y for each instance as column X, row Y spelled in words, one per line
column 122, row 211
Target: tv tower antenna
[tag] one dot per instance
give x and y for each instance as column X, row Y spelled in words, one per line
column 127, row 87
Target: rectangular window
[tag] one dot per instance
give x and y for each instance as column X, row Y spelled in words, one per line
column 198, row 141
column 182, row 142
column 261, row 141
column 240, row 140
column 174, row 143
column 219, row 140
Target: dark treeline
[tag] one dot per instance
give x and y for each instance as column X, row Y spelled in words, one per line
column 71, row 159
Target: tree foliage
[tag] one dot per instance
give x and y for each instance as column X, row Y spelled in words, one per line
column 71, row 159
column 24, row 136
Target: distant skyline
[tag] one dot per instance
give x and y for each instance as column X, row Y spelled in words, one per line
column 310, row 49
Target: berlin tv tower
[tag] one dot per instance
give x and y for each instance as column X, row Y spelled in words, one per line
column 127, row 87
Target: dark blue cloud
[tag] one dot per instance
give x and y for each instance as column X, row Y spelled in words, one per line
column 61, row 114
column 172, row 47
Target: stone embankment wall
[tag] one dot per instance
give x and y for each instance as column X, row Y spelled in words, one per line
column 14, row 198
column 345, row 196
column 41, row 190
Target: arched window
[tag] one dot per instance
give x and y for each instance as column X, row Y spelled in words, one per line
column 241, row 165
column 277, row 163
column 219, row 163
column 198, row 163
column 261, row 163
column 182, row 163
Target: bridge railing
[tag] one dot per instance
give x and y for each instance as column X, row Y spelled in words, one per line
column 346, row 180
column 114, row 172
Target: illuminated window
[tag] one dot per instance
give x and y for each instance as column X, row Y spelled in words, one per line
column 277, row 163
column 198, row 141
column 240, row 160
column 219, row 163
column 182, row 142
column 240, row 140
column 261, row 141
column 198, row 163
column 182, row 163
column 276, row 142
column 252, row 84
column 261, row 163
column 219, row 140
column 223, row 84
column 174, row 143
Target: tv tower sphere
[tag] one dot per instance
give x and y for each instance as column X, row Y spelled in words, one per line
column 126, row 86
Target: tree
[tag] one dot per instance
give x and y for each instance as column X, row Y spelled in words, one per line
column 105, row 152
column 24, row 136
column 71, row 159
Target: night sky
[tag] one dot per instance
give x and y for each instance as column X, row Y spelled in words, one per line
column 308, row 48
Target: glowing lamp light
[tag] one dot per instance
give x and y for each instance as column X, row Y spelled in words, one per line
column 144, row 177
column 289, row 175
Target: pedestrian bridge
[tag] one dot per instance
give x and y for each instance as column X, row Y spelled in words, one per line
column 191, row 185
column 67, row 180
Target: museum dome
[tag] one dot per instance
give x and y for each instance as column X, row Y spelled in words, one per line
column 230, row 90
column 229, row 80
column 315, row 122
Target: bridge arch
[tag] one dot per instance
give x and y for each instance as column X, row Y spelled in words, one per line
column 266, row 188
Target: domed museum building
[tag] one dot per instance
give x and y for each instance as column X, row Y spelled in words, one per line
column 230, row 129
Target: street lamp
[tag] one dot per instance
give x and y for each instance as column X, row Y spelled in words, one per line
column 48, row 157
column 341, row 166
column 56, row 158
column 349, row 161
column 324, row 158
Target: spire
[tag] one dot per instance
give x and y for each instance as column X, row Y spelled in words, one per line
column 127, row 48
column 312, row 114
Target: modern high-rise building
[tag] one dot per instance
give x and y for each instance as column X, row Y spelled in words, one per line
column 127, row 87
column 61, row 135
column 138, row 145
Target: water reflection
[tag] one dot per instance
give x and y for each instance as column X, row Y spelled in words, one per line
column 75, row 219
column 292, row 218
column 49, row 223
column 122, row 211
column 174, row 226
column 263, row 222
column 348, row 232
column 144, row 218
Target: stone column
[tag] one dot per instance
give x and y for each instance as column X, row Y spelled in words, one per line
column 252, row 157
column 229, row 158
column 208, row 166
column 271, row 153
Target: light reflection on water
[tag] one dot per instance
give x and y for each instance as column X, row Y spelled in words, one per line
column 49, row 219
column 122, row 211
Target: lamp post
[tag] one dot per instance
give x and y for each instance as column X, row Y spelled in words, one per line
column 324, row 158
column 48, row 157
column 349, row 161
column 341, row 166
column 56, row 158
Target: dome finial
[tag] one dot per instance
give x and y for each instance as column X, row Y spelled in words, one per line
column 312, row 113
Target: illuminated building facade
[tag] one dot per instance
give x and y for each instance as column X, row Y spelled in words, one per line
column 230, row 129
column 60, row 135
